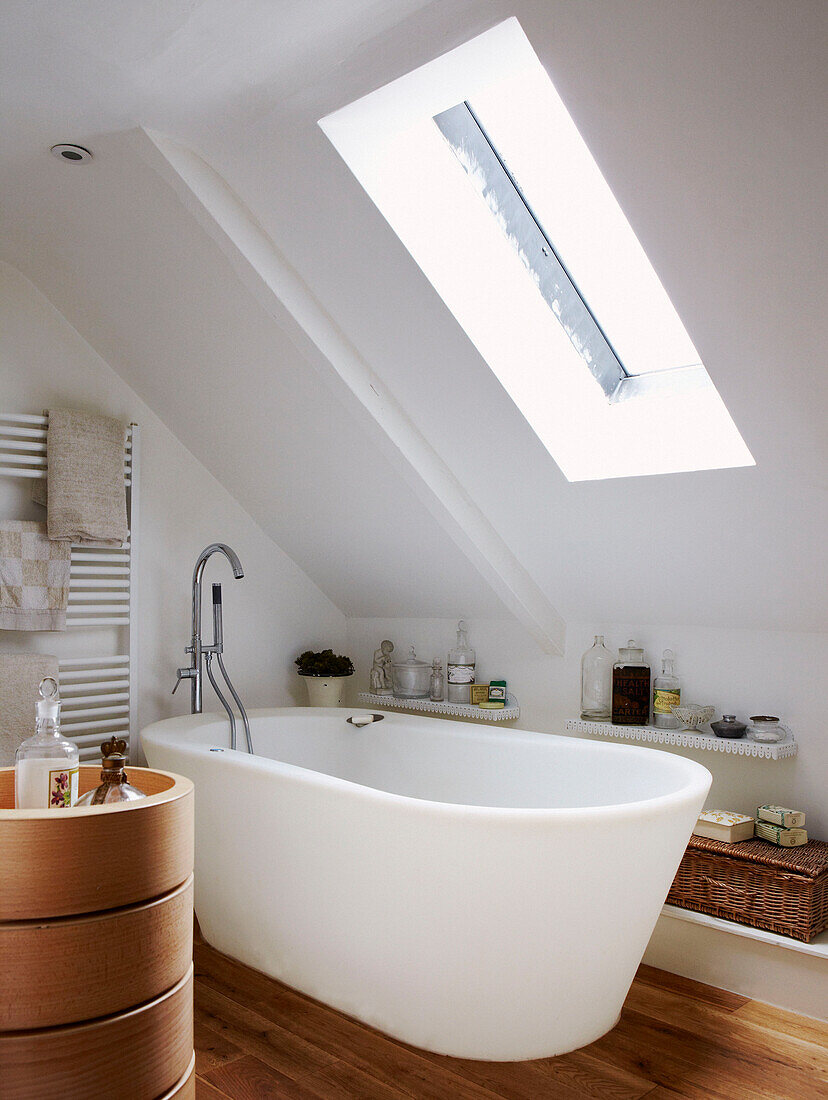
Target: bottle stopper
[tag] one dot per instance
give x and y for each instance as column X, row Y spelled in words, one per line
column 48, row 705
column 114, row 753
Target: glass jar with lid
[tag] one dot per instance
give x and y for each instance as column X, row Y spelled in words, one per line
column 411, row 677
column 630, row 687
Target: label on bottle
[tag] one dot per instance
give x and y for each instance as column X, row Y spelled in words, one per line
column 631, row 695
column 664, row 700
column 41, row 784
column 460, row 674
column 63, row 787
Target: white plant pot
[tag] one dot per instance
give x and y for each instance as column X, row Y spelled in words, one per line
column 325, row 691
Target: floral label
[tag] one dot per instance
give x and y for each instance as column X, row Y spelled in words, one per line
column 63, row 788
column 664, row 701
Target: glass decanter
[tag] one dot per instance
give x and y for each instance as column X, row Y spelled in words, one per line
column 46, row 766
column 114, row 785
column 596, row 682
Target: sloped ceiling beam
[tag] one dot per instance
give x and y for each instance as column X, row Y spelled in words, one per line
column 282, row 292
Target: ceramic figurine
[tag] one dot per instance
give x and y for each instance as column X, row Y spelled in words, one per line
column 381, row 673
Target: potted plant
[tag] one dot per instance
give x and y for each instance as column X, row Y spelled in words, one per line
column 325, row 674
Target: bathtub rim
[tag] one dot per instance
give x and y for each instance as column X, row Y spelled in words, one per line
column 698, row 782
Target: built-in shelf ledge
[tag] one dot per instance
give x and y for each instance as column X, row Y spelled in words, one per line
column 457, row 710
column 740, row 746
column 818, row 946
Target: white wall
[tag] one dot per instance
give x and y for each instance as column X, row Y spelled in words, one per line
column 739, row 671
column 270, row 616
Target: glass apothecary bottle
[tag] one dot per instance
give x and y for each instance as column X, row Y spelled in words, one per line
column 630, row 687
column 437, row 688
column 114, row 785
column 46, row 766
column 460, row 668
column 666, row 694
column 596, row 682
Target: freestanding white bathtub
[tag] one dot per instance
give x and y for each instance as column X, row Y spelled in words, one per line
column 476, row 892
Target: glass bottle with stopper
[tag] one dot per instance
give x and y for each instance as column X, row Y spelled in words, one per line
column 114, row 785
column 460, row 667
column 46, row 766
column 437, row 684
column 666, row 693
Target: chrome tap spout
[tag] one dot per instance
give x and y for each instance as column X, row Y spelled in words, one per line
column 201, row 652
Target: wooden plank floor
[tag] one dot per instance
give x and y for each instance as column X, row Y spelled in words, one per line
column 255, row 1038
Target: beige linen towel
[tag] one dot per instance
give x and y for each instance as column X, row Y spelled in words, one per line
column 84, row 489
column 20, row 676
column 34, row 577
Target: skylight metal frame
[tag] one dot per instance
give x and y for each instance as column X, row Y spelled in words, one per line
column 491, row 177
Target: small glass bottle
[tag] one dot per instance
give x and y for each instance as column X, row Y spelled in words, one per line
column 666, row 694
column 114, row 786
column 630, row 687
column 46, row 766
column 437, row 688
column 596, row 682
column 460, row 667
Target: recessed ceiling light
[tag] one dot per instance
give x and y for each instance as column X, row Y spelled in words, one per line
column 74, row 154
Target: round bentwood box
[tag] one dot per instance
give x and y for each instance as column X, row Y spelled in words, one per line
column 61, row 862
column 139, row 1054
column 96, row 921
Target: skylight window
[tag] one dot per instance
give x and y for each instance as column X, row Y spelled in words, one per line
column 478, row 167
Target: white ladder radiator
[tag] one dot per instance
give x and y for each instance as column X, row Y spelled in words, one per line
column 98, row 690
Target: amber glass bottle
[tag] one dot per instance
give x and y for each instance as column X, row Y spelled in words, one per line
column 630, row 687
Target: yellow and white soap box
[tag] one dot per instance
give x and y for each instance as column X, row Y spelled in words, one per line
column 780, row 815
column 724, row 825
column 785, row 838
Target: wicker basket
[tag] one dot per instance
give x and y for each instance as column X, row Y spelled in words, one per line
column 782, row 890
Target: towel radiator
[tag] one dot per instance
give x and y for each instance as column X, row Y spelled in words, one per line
column 99, row 692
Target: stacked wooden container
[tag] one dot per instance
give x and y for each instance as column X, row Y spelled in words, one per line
column 96, row 918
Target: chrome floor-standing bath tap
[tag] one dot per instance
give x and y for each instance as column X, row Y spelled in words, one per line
column 207, row 652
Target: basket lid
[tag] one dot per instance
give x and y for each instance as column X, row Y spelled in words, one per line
column 809, row 860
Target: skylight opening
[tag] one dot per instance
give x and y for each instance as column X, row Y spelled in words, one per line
column 477, row 165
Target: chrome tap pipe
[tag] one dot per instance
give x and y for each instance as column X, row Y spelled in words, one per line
column 202, row 655
column 196, row 695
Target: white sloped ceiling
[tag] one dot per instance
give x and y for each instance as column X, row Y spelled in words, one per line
column 705, row 120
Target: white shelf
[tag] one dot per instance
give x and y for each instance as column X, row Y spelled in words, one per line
column 739, row 746
column 818, row 946
column 458, row 710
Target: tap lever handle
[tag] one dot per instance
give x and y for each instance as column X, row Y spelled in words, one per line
column 182, row 674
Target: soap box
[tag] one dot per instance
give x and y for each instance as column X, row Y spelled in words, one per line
column 785, row 838
column 724, row 825
column 497, row 691
column 478, row 693
column 779, row 815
